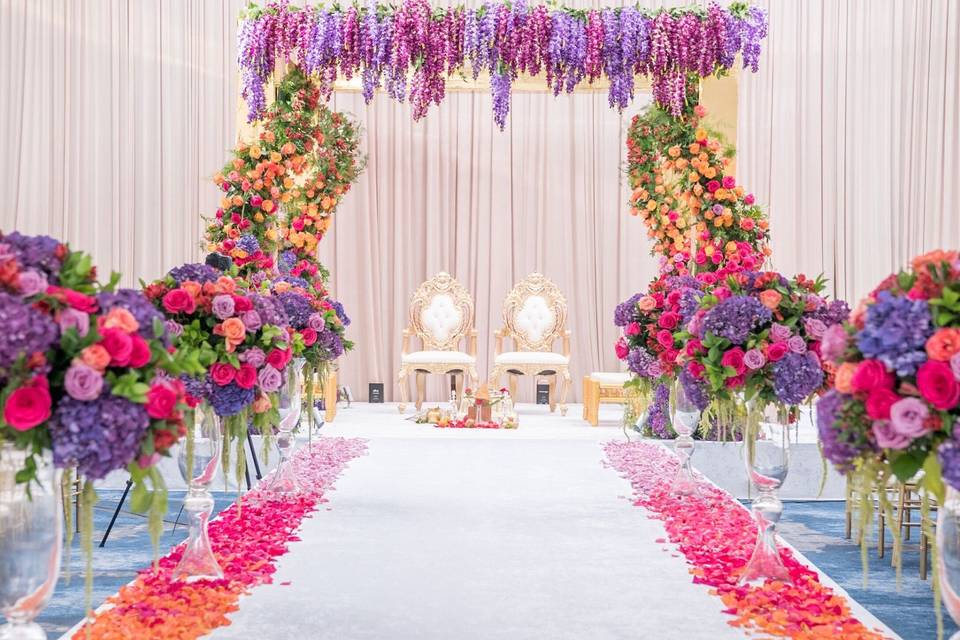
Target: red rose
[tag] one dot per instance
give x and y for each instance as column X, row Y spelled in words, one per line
column 309, row 336
column 694, row 346
column 870, row 375
column 734, row 382
column 665, row 338
column 163, row 440
column 241, row 304
column 179, row 301
column 696, row 369
column 879, row 402
column 712, row 186
column 278, row 358
column 119, row 345
column 161, row 401
column 222, row 373
column 734, row 358
column 29, row 405
column 622, row 349
column 155, row 290
column 246, row 376
column 776, row 351
column 669, row 320
column 937, row 385
column 140, row 352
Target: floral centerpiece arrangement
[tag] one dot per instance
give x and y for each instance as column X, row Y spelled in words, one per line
column 894, row 406
column 242, row 339
column 756, row 338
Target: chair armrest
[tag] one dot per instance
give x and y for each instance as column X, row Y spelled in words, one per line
column 498, row 336
column 472, row 343
column 405, row 346
column 566, row 343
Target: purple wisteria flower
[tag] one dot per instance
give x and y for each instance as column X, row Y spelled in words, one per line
column 195, row 272
column 895, row 332
column 735, row 318
column 695, row 390
column 25, row 331
column 98, row 436
column 658, row 415
column 796, row 376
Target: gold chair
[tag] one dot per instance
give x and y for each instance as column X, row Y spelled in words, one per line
column 441, row 315
column 534, row 317
column 908, row 500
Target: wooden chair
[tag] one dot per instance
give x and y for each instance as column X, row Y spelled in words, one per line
column 602, row 388
column 441, row 315
column 908, row 501
column 534, row 317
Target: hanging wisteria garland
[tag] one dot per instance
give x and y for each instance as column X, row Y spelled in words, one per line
column 409, row 49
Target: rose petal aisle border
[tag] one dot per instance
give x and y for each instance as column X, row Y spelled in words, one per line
column 247, row 541
column 717, row 536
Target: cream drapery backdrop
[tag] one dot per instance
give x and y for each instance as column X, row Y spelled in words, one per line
column 849, row 135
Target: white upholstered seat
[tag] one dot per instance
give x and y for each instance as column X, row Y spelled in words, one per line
column 609, row 379
column 426, row 357
column 531, row 357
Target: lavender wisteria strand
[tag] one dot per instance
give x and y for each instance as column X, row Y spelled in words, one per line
column 410, row 47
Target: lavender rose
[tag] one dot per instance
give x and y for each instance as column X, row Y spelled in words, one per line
column 316, row 322
column 223, row 306
column 908, row 417
column 251, row 320
column 815, row 328
column 834, row 343
column 83, row 382
column 797, row 344
column 70, row 318
column 779, row 332
column 754, row 359
column 269, row 379
column 31, row 283
column 254, row 357
column 174, row 328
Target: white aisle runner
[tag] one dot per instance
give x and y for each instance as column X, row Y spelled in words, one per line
column 463, row 534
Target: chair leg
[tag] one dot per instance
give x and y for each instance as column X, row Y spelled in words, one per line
column 591, row 401
column 330, row 397
column 901, row 500
column 253, row 454
column 565, row 389
column 586, row 391
column 848, row 513
column 402, row 381
column 553, row 392
column 882, row 535
column 458, row 379
column 421, row 389
column 923, row 556
column 512, row 381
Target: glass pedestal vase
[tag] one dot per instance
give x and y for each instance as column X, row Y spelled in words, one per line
column 766, row 448
column 31, row 542
column 948, row 554
column 284, row 478
column 199, row 461
column 686, row 417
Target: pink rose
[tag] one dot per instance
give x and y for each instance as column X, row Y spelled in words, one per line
column 665, row 338
column 161, row 401
column 729, row 182
column 722, row 292
column 119, row 345
column 879, row 402
column 29, row 405
column 246, row 376
column 309, row 336
column 870, row 375
column 179, row 301
column 734, row 358
column 712, row 186
column 696, row 369
column 647, row 303
column 834, row 342
column 621, row 348
column 278, row 358
column 222, row 373
column 776, row 351
column 632, row 329
column 887, row 437
column 908, row 417
column 72, row 319
column 669, row 320
column 693, row 347
column 734, row 382
column 937, row 384
column 797, row 344
column 140, row 352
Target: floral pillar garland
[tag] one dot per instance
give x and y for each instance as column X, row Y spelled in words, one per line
column 409, row 49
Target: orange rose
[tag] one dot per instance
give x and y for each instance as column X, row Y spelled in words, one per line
column 191, row 287
column 944, row 344
column 225, row 285
column 281, row 287
column 233, row 331
column 770, row 298
column 843, row 377
column 262, row 403
column 96, row 357
column 647, row 303
column 119, row 318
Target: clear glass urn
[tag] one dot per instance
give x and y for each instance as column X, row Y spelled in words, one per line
column 948, row 554
column 199, row 461
column 686, row 417
column 31, row 541
column 284, row 477
column 766, row 449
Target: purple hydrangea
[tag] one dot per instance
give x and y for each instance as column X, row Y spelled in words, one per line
column 658, row 415
column 36, row 252
column 625, row 312
column 248, row 243
column 270, row 309
column 138, row 305
column 834, row 312
column 341, row 312
column 286, row 260
column 199, row 388
column 330, row 342
column 195, row 272
column 895, row 331
column 639, row 361
column 838, row 443
column 297, row 308
column 695, row 390
column 949, row 455
column 293, row 281
column 796, row 376
column 25, row 331
column 735, row 318
column 229, row 400
column 98, row 436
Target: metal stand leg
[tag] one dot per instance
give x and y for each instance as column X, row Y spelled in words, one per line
column 256, row 462
column 123, row 498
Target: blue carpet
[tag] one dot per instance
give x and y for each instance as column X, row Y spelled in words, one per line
column 816, row 529
column 128, row 550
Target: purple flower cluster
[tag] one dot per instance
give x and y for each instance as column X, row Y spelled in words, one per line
column 695, row 390
column 99, row 436
column 835, row 439
column 270, row 310
column 297, row 307
column 834, row 312
column 796, row 376
column 658, row 415
column 248, row 243
column 229, row 400
column 949, row 456
column 626, row 311
column 138, row 305
column 410, row 48
column 639, row 360
column 25, row 331
column 286, row 260
column 331, row 343
column 895, row 332
column 194, row 272
column 36, row 252
column 341, row 312
column 293, row 281
column 735, row 318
